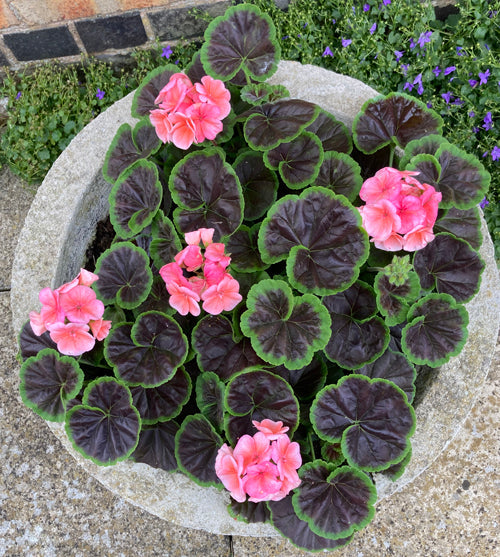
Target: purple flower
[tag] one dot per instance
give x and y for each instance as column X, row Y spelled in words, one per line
column 429, row 105
column 495, row 153
column 449, row 70
column 485, row 154
column 387, row 2
column 424, row 38
column 334, row 21
column 475, row 129
column 483, row 77
column 488, row 121
column 18, row 96
column 373, row 28
column 166, row 52
column 458, row 101
column 412, row 44
column 447, row 96
column 366, row 7
column 484, row 202
column 473, row 82
column 398, row 54
column 459, row 51
column 472, row 114
column 405, row 67
column 176, row 62
column 408, row 86
column 100, row 94
column 346, row 42
column 284, row 37
column 327, row 52
column 418, row 81
column 436, row 71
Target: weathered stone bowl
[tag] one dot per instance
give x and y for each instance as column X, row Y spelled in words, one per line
column 60, row 225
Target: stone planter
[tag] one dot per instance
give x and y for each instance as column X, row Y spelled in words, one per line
column 60, row 225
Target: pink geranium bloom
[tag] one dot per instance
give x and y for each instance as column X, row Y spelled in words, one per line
column 171, row 273
column 252, row 450
column 286, row 454
column 418, row 238
column 197, row 284
column 72, row 339
column 411, row 213
column 272, row 430
column 393, row 243
column 205, row 118
column 190, row 257
column 100, row 328
column 183, row 133
column 51, row 311
column 222, row 297
column 204, row 235
column 86, row 278
column 261, row 481
column 213, row 91
column 215, row 253
column 430, row 202
column 162, row 124
column 175, row 95
column 380, row 219
column 286, row 486
column 183, row 299
column 37, row 323
column 80, row 304
column 386, row 184
column 229, row 471
column 214, row 273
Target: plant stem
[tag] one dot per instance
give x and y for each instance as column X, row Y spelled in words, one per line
column 311, row 445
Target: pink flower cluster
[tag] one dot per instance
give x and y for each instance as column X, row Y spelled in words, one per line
column 263, row 466
column 211, row 283
column 190, row 113
column 400, row 211
column 72, row 314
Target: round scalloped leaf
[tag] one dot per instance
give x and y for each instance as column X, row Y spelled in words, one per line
column 157, row 300
column 284, row 329
column 156, row 446
column 371, row 417
column 165, row 243
column 31, row 344
column 105, row 427
column 128, row 147
column 149, row 89
column 393, row 300
column 393, row 120
column 256, row 395
column 162, row 403
column 48, row 382
column 218, row 351
column 243, row 39
column 249, row 512
column 460, row 177
column 395, row 367
column 462, row 224
column 341, row 174
column 320, row 234
column 147, row 353
column 436, row 330
column 125, row 277
column 259, row 93
column 335, row 502
column 207, row 192
column 332, row 453
column 451, row 266
column 245, row 254
column 298, row 161
column 196, row 447
column 306, row 381
column 270, row 124
column 334, row 135
column 258, row 183
column 135, row 199
column 285, row 520
column 210, row 398
column 358, row 336
column 427, row 145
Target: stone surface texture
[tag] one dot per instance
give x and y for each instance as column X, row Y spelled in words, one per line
column 50, row 507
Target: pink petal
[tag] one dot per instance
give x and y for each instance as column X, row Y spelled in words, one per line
column 213, row 91
column 272, row 430
column 222, row 297
column 184, row 300
column 80, row 304
column 393, row 243
column 386, row 184
column 418, row 238
column 100, row 328
column 72, row 339
column 37, row 323
column 380, row 219
column 162, row 124
column 86, row 278
column 410, row 212
column 183, row 130
column 261, row 481
column 190, row 257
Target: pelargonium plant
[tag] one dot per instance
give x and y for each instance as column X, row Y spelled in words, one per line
column 275, row 285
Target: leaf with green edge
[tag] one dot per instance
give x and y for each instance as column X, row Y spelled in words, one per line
column 148, row 352
column 332, row 453
column 196, row 447
column 462, row 179
column 427, row 145
column 135, row 198
column 125, row 277
column 258, row 183
column 105, row 427
column 256, row 395
column 297, row 161
column 165, row 243
column 259, row 93
column 195, row 70
column 341, row 174
column 335, row 502
column 358, row 336
column 268, row 125
column 210, row 392
column 243, row 39
column 465, row 225
column 451, row 266
column 31, row 344
column 306, row 381
column 128, row 147
column 320, row 235
column 207, row 192
column 249, row 512
column 394, row 120
column 48, row 382
column 393, row 301
column 245, row 254
column 282, row 328
column 157, row 300
column 436, row 330
column 218, row 351
column 395, row 367
column 149, row 89
column 156, row 446
column 370, row 417
column 165, row 402
column 285, row 520
column 395, row 471
column 334, row 135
